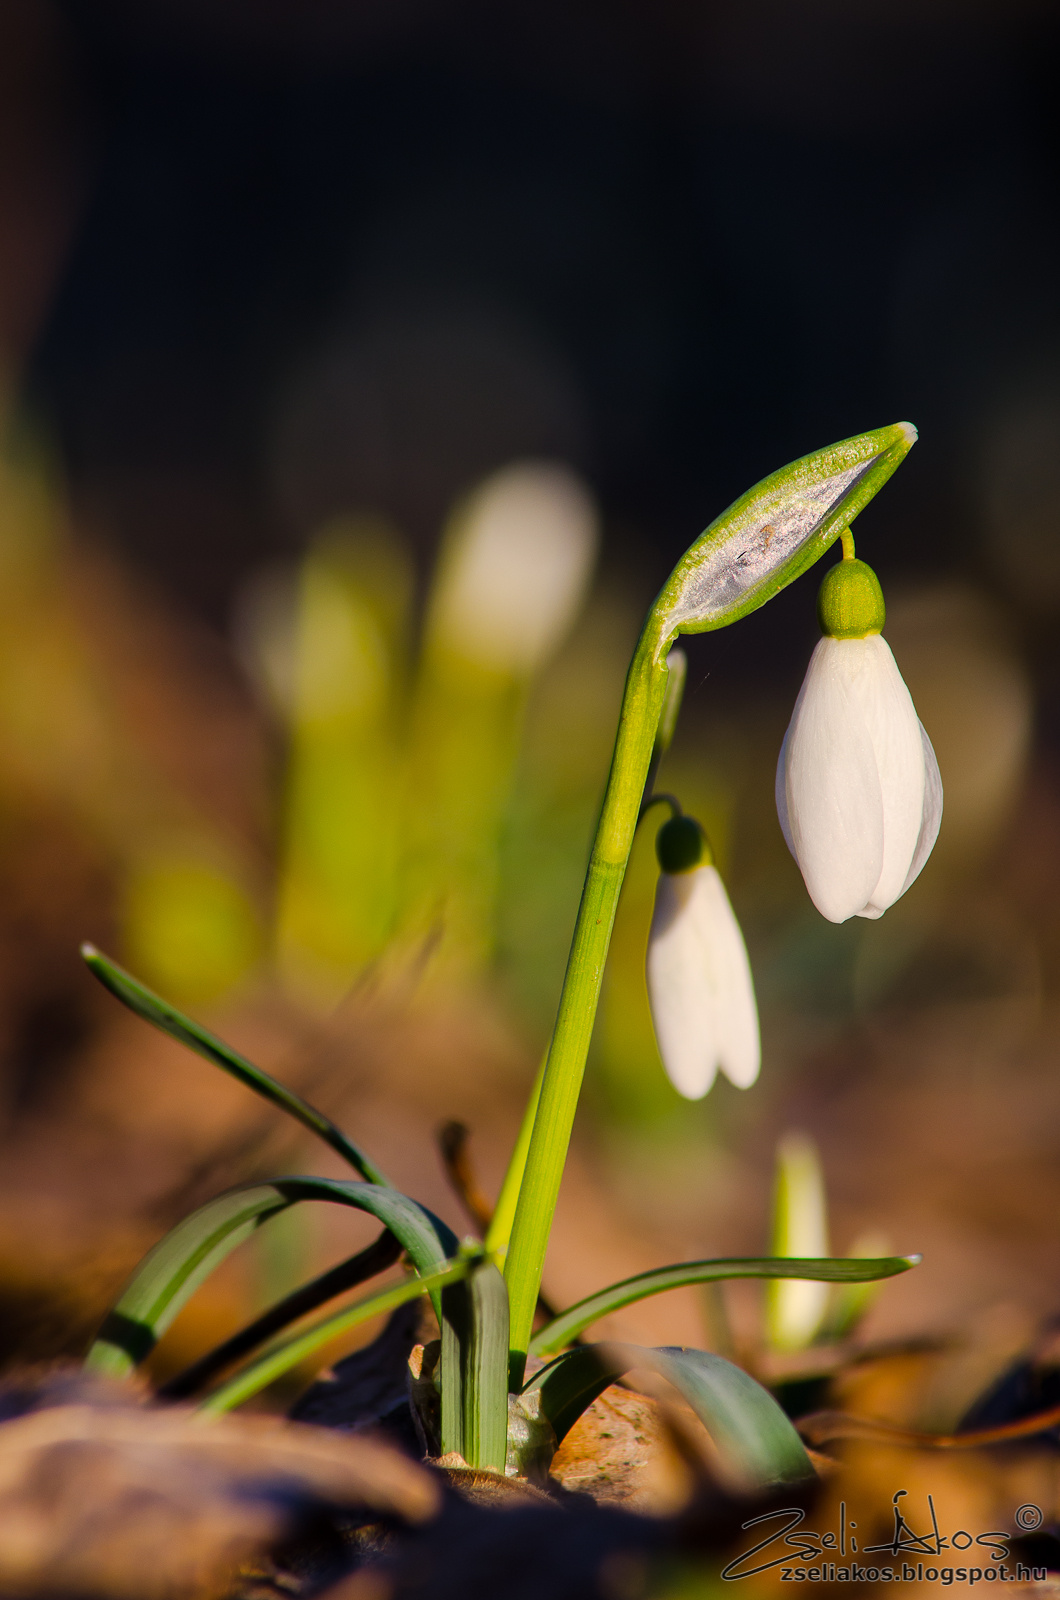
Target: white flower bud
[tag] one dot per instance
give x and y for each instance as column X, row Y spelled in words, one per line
column 699, row 984
column 515, row 567
column 858, row 791
column 796, row 1307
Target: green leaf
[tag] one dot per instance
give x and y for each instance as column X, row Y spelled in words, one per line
column 850, row 1303
column 169, row 1275
column 569, row 1324
column 774, row 532
column 152, row 1008
column 357, row 1269
column 500, row 1228
column 755, row 1441
column 258, row 1374
column 475, row 1367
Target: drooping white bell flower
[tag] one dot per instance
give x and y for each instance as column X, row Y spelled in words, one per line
column 699, row 978
column 859, row 795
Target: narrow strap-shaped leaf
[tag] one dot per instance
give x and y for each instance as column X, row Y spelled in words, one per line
column 367, row 1263
column 569, row 1324
column 475, row 1367
column 756, row 1442
column 170, row 1273
column 275, row 1362
column 152, row 1008
column 486, row 1372
column 499, row 1231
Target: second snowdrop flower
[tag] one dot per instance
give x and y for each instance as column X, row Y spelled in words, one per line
column 858, row 790
column 699, row 979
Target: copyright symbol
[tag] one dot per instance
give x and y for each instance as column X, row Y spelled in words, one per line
column 1028, row 1518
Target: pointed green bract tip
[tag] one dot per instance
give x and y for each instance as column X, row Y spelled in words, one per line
column 850, row 601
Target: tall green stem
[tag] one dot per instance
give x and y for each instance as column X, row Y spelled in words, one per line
column 642, row 706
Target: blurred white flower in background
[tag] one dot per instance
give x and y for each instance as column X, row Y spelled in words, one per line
column 699, row 978
column 796, row 1307
column 859, row 796
column 515, row 567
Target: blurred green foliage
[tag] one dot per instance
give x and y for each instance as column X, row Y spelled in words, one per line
column 343, row 796
column 189, row 925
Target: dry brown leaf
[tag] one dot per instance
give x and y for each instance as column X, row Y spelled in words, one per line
column 620, row 1451
column 158, row 1505
column 486, row 1488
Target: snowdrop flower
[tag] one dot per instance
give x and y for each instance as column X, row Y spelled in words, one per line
column 858, row 789
column 699, row 979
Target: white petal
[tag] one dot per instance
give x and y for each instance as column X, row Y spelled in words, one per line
column 682, row 1005
column 832, row 789
column 780, row 789
column 887, row 707
column 931, row 820
column 729, row 970
column 699, row 984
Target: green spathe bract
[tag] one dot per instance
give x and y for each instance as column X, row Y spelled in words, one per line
column 761, row 543
column 777, row 530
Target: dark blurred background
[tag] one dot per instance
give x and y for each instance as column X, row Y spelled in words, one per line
column 263, row 263
column 277, row 258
